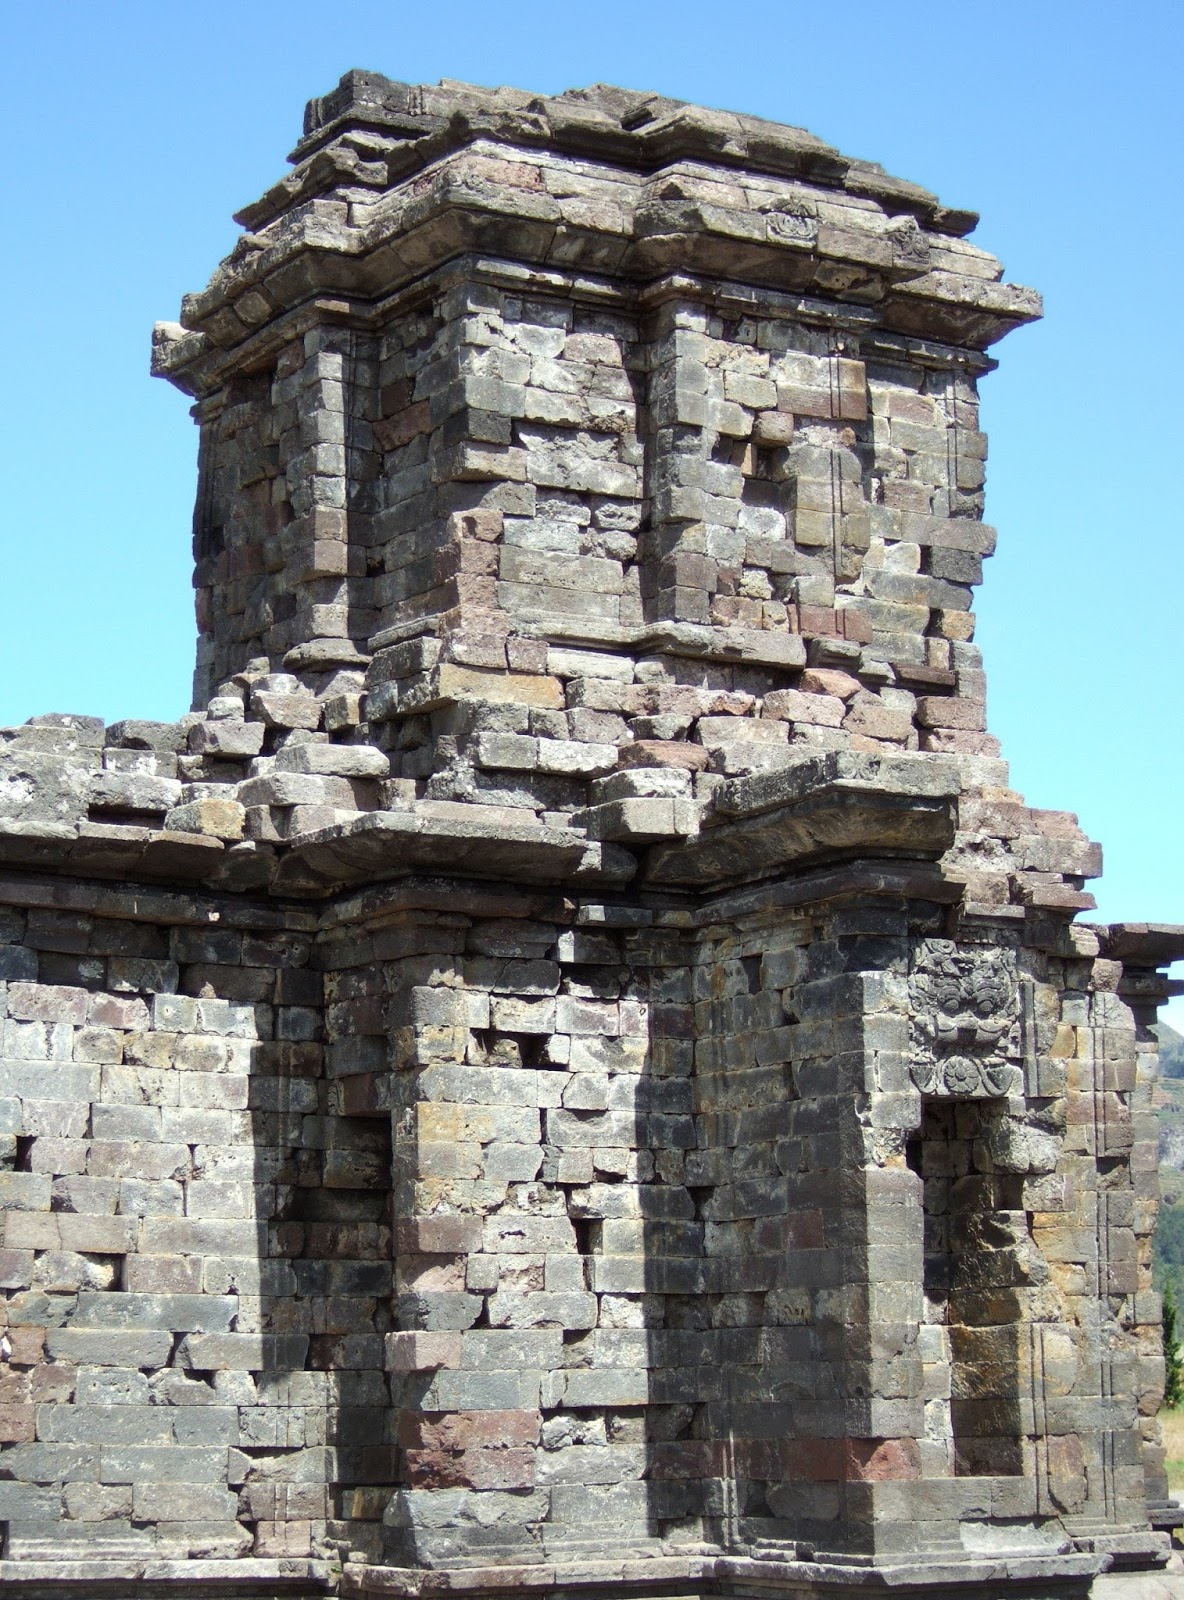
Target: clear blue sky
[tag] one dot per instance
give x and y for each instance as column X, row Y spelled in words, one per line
column 136, row 129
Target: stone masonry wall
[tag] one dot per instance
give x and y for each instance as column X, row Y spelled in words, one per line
column 196, row 1248
column 841, row 513
column 621, row 1259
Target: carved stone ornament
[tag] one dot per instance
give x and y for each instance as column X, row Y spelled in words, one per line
column 964, row 1020
column 910, row 248
column 791, row 227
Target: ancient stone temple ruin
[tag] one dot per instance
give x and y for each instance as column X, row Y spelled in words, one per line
column 570, row 1069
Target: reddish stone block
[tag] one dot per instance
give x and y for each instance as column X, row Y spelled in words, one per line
column 395, row 397
column 470, row 1469
column 664, row 753
column 816, row 622
column 34, row 1002
column 14, row 1388
column 517, row 174
column 817, row 1461
column 16, row 1268
column 16, row 1424
column 882, row 1460
column 244, row 561
column 27, row 1345
column 117, row 1011
column 395, row 431
column 856, row 626
column 468, row 1430
column 828, row 680
column 52, row 1381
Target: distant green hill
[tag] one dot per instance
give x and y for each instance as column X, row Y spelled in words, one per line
column 1171, row 1051
column 1169, row 1235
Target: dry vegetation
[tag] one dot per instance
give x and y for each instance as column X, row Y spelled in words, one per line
column 1173, row 1439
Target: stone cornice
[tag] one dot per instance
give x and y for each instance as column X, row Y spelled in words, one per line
column 689, row 192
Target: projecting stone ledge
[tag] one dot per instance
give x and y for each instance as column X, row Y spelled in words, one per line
column 389, row 844
column 813, row 810
column 257, row 1578
column 1053, row 1576
column 821, row 809
column 1035, row 1577
column 111, row 850
column 1145, row 944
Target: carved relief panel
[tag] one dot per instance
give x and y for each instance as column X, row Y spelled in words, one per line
column 964, row 1020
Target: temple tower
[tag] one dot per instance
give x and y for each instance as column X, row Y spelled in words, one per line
column 570, row 1068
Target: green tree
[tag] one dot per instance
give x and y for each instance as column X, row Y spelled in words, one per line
column 1173, row 1387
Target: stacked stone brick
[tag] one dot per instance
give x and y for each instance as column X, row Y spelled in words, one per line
column 571, row 1068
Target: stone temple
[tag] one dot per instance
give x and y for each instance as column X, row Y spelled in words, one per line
column 570, row 1071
